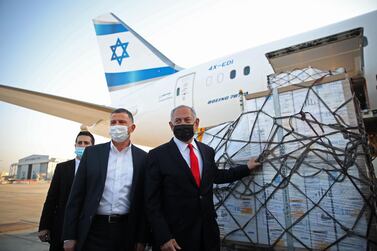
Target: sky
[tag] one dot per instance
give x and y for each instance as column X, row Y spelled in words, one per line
column 50, row 46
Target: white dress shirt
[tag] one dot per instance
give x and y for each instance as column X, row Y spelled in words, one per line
column 77, row 163
column 185, row 152
column 116, row 194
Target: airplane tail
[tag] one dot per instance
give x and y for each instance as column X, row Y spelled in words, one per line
column 128, row 59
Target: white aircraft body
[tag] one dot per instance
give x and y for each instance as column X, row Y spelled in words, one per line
column 143, row 80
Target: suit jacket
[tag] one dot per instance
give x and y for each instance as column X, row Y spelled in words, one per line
column 87, row 192
column 176, row 207
column 56, row 200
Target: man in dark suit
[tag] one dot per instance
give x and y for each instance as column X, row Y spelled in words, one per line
column 179, row 181
column 105, row 207
column 51, row 222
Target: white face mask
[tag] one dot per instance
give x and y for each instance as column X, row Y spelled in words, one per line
column 119, row 133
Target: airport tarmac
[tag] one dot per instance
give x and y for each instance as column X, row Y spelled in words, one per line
column 20, row 209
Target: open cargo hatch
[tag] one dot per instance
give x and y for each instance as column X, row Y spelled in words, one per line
column 328, row 53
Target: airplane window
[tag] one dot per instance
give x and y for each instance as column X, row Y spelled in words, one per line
column 209, row 81
column 232, row 74
column 246, row 70
column 178, row 91
column 220, row 78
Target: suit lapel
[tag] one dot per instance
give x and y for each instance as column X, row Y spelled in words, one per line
column 71, row 172
column 103, row 162
column 181, row 163
column 136, row 164
column 205, row 165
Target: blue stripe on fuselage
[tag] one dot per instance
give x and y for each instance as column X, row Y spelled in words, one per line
column 124, row 78
column 106, row 29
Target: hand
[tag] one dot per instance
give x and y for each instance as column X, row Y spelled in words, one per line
column 140, row 247
column 69, row 245
column 44, row 235
column 253, row 164
column 170, row 245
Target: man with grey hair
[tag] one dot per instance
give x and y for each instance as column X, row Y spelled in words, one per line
column 179, row 188
column 182, row 106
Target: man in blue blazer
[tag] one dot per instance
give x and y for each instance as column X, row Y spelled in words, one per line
column 179, row 188
column 105, row 207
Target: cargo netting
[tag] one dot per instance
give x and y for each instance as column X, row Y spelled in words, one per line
column 316, row 189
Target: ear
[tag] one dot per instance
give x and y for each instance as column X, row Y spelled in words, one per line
column 131, row 128
column 196, row 124
column 171, row 125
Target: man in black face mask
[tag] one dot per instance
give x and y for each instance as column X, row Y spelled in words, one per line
column 179, row 196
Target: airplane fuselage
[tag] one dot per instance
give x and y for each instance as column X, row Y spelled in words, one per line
column 213, row 88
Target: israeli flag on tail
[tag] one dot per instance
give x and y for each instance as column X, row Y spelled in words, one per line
column 128, row 59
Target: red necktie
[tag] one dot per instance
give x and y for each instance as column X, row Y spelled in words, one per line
column 194, row 163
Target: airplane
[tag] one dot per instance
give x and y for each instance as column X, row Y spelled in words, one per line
column 144, row 81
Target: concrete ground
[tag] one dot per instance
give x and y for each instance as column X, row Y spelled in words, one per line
column 20, row 209
column 26, row 240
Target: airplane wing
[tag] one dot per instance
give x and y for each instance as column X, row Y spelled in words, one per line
column 94, row 118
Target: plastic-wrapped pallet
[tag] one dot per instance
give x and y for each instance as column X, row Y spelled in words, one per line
column 316, row 190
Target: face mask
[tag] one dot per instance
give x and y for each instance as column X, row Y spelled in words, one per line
column 119, row 133
column 79, row 151
column 183, row 132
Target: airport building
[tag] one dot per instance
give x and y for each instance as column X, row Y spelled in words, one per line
column 13, row 169
column 35, row 167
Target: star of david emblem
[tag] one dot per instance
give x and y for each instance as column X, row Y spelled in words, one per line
column 124, row 53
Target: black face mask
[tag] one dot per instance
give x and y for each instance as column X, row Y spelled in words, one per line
column 183, row 132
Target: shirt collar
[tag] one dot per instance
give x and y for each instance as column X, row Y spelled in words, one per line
column 114, row 149
column 77, row 163
column 182, row 145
